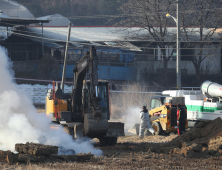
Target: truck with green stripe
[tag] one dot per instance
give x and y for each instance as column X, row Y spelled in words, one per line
column 203, row 104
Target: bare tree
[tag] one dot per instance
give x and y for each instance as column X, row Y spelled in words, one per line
column 149, row 15
column 204, row 17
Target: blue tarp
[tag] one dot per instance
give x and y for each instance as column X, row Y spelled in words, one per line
column 107, row 72
column 69, row 71
column 125, row 56
column 117, row 73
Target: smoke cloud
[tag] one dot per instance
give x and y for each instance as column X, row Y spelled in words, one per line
column 133, row 115
column 20, row 122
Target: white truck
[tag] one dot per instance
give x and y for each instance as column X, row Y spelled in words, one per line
column 203, row 104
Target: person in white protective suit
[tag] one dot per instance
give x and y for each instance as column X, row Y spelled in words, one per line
column 145, row 122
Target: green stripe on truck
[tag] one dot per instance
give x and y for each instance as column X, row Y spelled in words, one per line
column 201, row 108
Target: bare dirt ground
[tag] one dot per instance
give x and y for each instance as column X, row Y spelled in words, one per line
column 132, row 153
column 198, row 148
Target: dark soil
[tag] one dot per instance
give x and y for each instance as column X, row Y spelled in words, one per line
column 198, row 148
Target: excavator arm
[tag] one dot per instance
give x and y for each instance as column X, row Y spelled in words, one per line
column 95, row 122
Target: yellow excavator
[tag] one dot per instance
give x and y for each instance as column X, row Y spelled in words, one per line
column 85, row 111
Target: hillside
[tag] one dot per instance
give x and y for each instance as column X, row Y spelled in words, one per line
column 74, row 8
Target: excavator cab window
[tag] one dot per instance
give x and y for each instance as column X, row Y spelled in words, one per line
column 102, row 89
column 102, row 93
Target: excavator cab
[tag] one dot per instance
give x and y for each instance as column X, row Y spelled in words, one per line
column 103, row 94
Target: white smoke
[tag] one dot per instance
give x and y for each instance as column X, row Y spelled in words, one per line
column 133, row 115
column 20, row 122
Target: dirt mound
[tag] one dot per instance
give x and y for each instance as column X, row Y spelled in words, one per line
column 7, row 156
column 201, row 134
column 36, row 149
column 33, row 152
column 201, row 141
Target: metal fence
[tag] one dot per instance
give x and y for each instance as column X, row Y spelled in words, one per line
column 38, row 93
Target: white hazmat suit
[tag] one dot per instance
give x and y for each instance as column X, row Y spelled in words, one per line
column 145, row 123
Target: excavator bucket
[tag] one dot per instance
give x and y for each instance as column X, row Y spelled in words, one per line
column 115, row 129
column 135, row 129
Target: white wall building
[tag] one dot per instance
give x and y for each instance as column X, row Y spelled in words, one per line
column 124, row 38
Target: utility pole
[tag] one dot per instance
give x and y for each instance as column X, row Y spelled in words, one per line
column 178, row 70
column 65, row 59
column 42, row 42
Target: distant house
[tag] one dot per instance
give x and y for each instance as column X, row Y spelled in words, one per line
column 124, row 53
column 120, row 43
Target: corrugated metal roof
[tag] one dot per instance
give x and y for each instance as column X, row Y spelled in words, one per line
column 85, row 36
column 219, row 31
column 117, row 73
column 79, row 34
column 10, row 22
column 113, row 34
column 2, row 15
column 15, row 10
column 55, row 20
